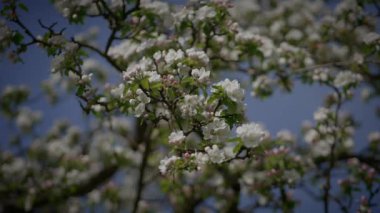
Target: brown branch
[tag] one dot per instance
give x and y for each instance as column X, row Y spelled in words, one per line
column 99, row 52
column 133, row 9
column 111, row 38
column 327, row 187
column 145, row 137
column 371, row 161
column 46, row 198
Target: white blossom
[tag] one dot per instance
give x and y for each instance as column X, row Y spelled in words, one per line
column 215, row 154
column 205, row 12
column 98, row 108
column 286, row 135
column 371, row 37
column 26, row 118
column 90, row 65
column 201, row 158
column 86, row 78
column 124, row 50
column 216, row 131
column 321, row 114
column 201, row 75
column 309, row 61
column 245, row 36
column 173, row 55
column 165, row 164
column 159, row 7
column 142, row 97
column 139, row 109
column 321, row 74
column 153, row 76
column 374, row 137
column 262, row 84
column 118, row 92
column 57, row 40
column 294, row 34
column 321, row 148
column 198, row 55
column 190, row 105
column 346, row 78
column 176, row 138
column 157, row 56
column 5, row 35
column 232, row 90
column 57, row 63
column 15, row 169
column 311, row 136
column 252, row 134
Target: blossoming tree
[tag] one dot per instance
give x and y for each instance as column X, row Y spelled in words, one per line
column 169, row 133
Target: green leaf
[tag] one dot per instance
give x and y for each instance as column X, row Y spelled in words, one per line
column 212, row 98
column 171, row 94
column 23, row 7
column 187, row 80
column 232, row 119
column 156, row 85
column 145, row 83
column 237, row 148
column 166, row 185
column 80, row 90
column 17, row 38
column 233, row 140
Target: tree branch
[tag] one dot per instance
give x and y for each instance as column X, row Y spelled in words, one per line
column 45, row 198
column 140, row 183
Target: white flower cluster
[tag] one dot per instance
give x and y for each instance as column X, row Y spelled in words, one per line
column 171, row 56
column 265, row 44
column 216, row 131
column 191, row 105
column 321, row 74
column 262, row 86
column 320, row 147
column 322, row 114
column 211, row 154
column 5, row 35
column 71, row 9
column 326, row 133
column 215, row 154
column 286, row 135
column 166, row 163
column 371, row 38
column 158, row 7
column 118, row 92
column 204, row 13
column 165, row 68
column 139, row 70
column 68, row 50
column 347, row 78
column 232, row 90
column 91, row 66
column 198, row 55
column 176, row 138
column 14, row 90
column 201, row 75
column 195, row 15
column 201, row 159
column 26, row 118
column 16, row 169
column 374, row 137
column 126, row 49
column 252, row 134
column 139, row 102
